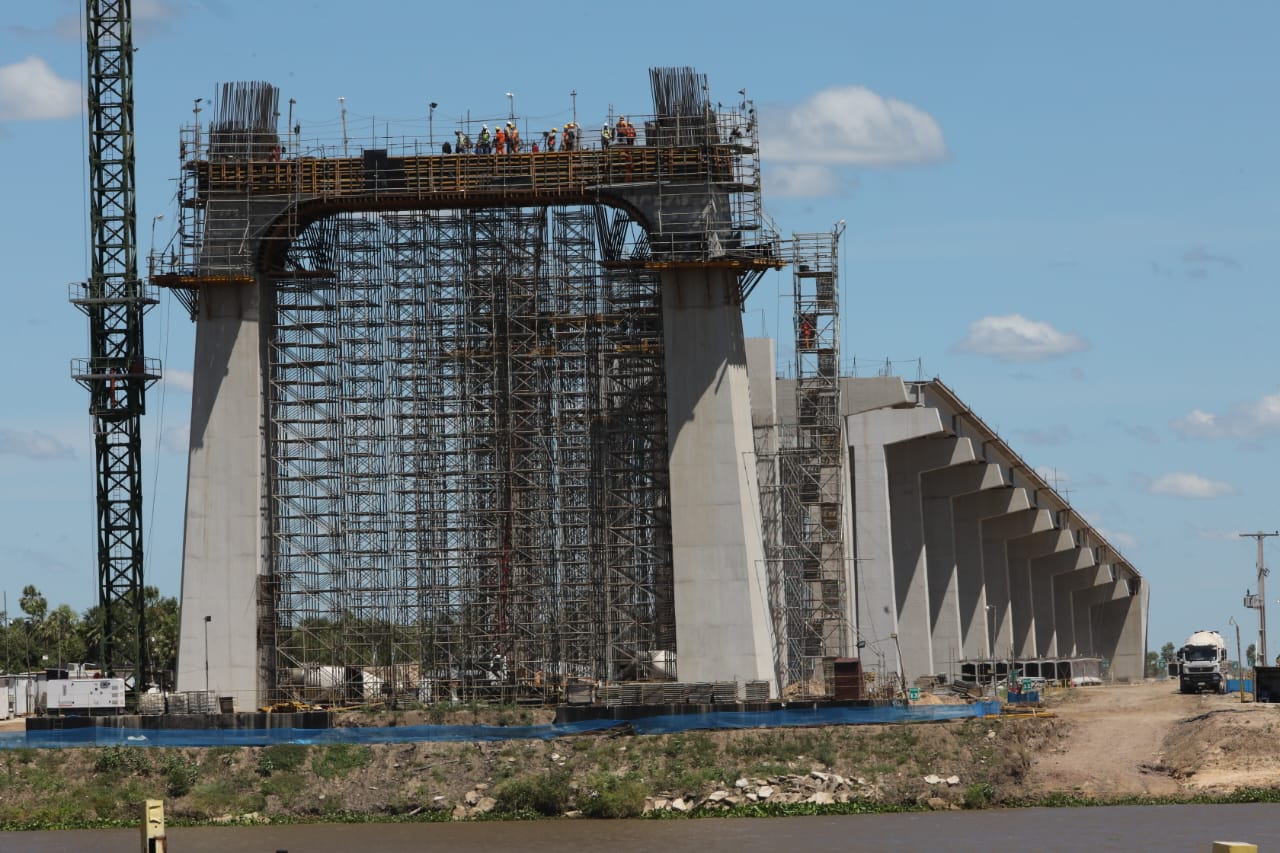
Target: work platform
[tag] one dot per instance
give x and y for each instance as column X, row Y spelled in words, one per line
column 690, row 187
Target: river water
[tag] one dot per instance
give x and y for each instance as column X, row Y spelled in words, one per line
column 1191, row 828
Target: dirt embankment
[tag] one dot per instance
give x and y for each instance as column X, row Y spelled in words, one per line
column 1107, row 742
column 1148, row 739
column 605, row 775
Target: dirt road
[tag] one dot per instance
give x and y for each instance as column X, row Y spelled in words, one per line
column 1149, row 739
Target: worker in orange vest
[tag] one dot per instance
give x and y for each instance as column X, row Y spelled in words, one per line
column 500, row 142
column 551, row 139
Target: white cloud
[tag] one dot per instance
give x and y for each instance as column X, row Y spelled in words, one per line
column 851, row 125
column 34, row 444
column 30, row 90
column 1120, row 539
column 1250, row 420
column 801, row 180
column 156, row 17
column 1013, row 337
column 176, row 439
column 1050, row 435
column 1183, row 485
column 178, row 380
column 1216, row 535
column 150, row 17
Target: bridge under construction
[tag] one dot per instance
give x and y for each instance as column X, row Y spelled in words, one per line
column 487, row 426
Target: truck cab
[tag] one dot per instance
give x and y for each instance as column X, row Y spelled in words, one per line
column 1203, row 663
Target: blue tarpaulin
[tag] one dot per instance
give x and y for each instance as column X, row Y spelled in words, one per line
column 667, row 724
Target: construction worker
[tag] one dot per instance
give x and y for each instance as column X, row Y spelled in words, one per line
column 551, row 139
column 631, row 131
column 606, row 135
column 620, row 130
column 500, row 142
column 484, row 142
column 807, row 329
column 513, row 138
column 567, row 141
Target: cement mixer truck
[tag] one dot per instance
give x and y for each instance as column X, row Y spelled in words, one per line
column 1203, row 663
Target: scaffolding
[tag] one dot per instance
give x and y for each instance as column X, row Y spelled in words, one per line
column 802, row 468
column 467, row 458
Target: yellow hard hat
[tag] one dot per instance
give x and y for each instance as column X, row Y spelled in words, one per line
column 554, row 129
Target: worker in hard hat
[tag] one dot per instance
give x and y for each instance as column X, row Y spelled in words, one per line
column 484, row 142
column 551, row 139
column 606, row 135
column 513, row 137
column 500, row 141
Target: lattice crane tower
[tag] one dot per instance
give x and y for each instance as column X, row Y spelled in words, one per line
column 116, row 373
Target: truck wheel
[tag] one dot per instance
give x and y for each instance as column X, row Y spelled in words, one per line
column 1184, row 687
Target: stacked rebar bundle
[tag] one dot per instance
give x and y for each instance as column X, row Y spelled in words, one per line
column 244, row 124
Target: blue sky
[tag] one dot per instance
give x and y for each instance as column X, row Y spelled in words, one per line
column 1067, row 212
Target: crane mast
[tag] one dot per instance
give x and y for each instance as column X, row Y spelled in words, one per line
column 116, row 374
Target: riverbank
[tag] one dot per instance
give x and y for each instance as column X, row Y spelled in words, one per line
column 1119, row 744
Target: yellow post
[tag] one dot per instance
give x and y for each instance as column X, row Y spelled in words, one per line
column 153, row 840
column 1234, row 847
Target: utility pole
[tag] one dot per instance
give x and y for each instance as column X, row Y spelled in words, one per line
column 1262, row 593
column 1239, row 658
column 991, row 644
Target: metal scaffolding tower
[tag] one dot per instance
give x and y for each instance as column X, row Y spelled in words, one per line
column 116, row 373
column 801, row 467
column 467, row 458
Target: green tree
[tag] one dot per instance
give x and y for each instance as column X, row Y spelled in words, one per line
column 1169, row 652
column 161, row 647
column 162, row 633
column 33, row 603
column 1251, row 655
column 60, row 636
column 1153, row 664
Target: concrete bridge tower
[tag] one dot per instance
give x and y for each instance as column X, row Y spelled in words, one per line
column 307, row 562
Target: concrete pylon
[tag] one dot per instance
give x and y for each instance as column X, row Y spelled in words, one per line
column 939, row 489
column 907, row 462
column 1088, row 636
column 764, row 421
column 868, row 434
column 722, row 617
column 996, row 533
column 1022, row 551
column 1046, row 573
column 222, row 552
column 971, row 512
column 1120, row 629
column 1065, row 587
